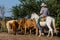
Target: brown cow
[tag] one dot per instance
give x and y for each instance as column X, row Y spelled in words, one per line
column 12, row 25
column 28, row 24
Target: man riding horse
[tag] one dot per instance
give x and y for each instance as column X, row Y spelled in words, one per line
column 44, row 12
column 46, row 21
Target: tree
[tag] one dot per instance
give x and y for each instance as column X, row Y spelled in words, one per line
column 15, row 11
column 2, row 12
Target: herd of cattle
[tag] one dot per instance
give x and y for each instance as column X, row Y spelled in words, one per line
column 23, row 24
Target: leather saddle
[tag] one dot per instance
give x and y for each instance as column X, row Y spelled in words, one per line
column 43, row 19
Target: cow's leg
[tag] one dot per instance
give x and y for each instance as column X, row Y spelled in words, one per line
column 30, row 31
column 15, row 29
column 25, row 29
column 15, row 32
column 8, row 28
column 36, row 31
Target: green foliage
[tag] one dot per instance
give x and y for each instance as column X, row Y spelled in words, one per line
column 15, row 11
column 54, row 7
column 8, row 18
column 26, row 7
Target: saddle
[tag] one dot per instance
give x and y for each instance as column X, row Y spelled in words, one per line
column 43, row 19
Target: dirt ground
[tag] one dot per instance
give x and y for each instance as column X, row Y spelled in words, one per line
column 6, row 36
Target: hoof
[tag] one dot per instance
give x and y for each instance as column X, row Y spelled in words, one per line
column 39, row 36
column 47, row 35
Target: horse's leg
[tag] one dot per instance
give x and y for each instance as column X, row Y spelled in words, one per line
column 39, row 32
column 50, row 30
column 54, row 26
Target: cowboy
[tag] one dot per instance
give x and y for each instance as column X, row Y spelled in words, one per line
column 43, row 12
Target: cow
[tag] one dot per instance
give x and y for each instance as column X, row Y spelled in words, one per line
column 12, row 25
column 28, row 24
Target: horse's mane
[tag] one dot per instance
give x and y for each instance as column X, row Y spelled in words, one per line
column 34, row 15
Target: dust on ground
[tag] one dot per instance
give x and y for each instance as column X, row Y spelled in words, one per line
column 6, row 36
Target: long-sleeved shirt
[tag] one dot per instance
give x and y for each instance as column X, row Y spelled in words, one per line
column 44, row 11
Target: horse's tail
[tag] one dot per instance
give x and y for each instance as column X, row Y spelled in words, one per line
column 53, row 21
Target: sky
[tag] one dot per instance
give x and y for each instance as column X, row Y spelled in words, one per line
column 8, row 5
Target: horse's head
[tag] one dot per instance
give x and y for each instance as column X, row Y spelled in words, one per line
column 34, row 15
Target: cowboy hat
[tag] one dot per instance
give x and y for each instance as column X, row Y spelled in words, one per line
column 43, row 4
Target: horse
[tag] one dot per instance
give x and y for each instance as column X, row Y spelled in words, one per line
column 47, row 22
column 28, row 24
column 12, row 25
